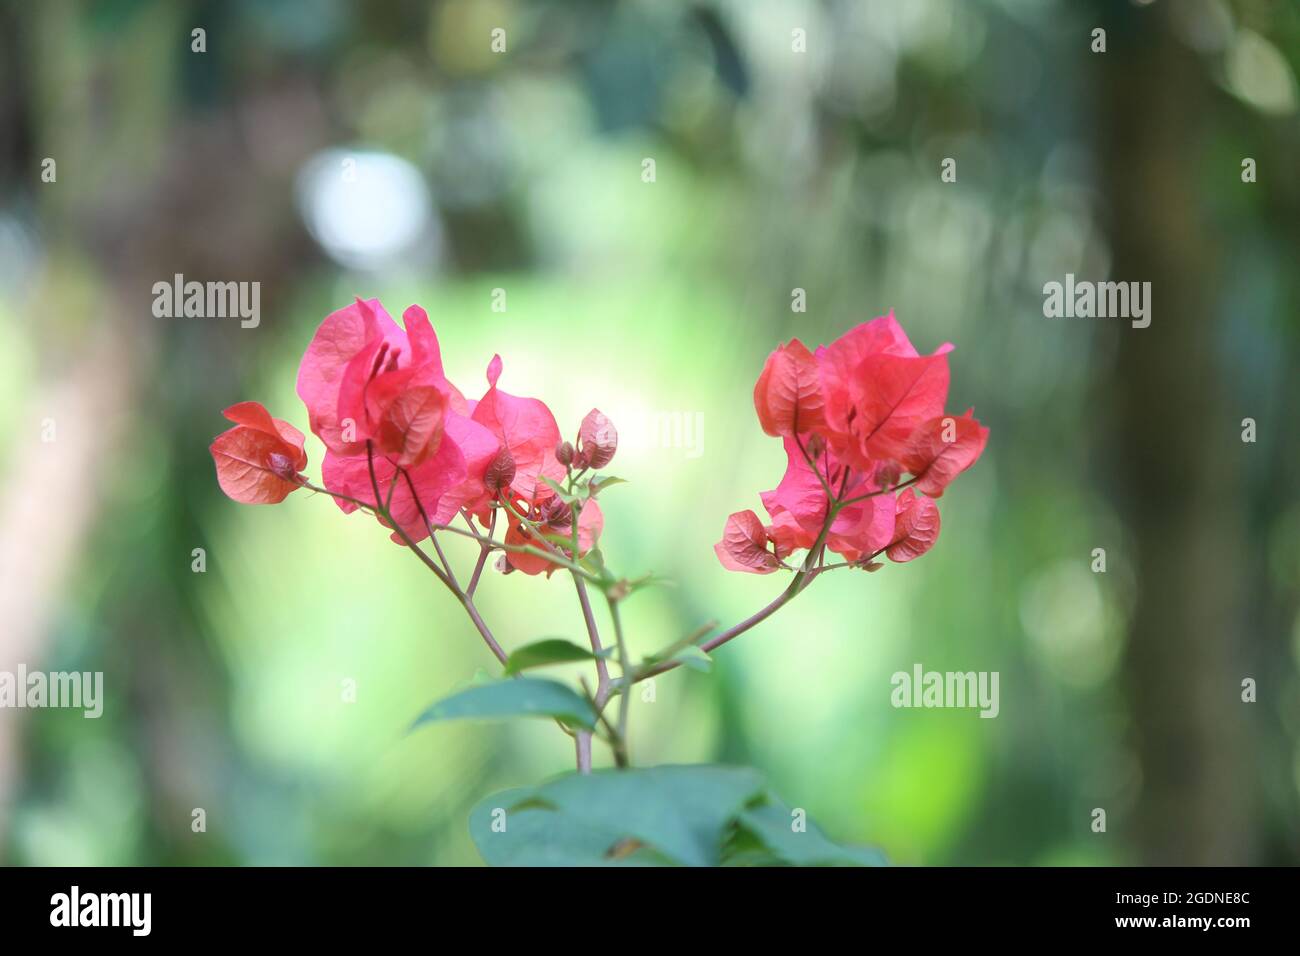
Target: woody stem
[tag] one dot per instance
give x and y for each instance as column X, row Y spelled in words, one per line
column 626, row 679
column 602, row 674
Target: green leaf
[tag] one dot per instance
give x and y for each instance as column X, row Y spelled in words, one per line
column 700, row 815
column 594, row 562
column 771, row 826
column 649, row 581
column 682, row 812
column 694, row 658
column 600, row 482
column 510, row 830
column 519, row 697
column 687, row 650
column 552, row 650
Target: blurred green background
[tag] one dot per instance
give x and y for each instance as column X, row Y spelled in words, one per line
column 775, row 169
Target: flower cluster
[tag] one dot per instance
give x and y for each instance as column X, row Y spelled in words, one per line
column 404, row 443
column 855, row 416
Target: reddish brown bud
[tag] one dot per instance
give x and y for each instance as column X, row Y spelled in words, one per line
column 500, row 471
column 597, row 439
column 282, row 467
column 564, row 453
column 887, row 474
column 557, row 514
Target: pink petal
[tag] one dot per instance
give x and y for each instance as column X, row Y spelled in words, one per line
column 527, row 427
column 942, row 448
column 336, row 343
column 890, row 397
column 788, row 394
column 916, row 527
column 744, row 545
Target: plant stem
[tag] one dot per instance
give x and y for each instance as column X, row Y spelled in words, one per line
column 468, row 603
column 484, row 550
column 621, row 756
column 593, row 635
column 553, row 557
column 401, row 532
column 433, row 538
column 602, row 673
column 883, row 491
column 582, row 746
column 801, row 580
column 484, row 631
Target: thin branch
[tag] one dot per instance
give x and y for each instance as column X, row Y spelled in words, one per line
column 433, row 538
column 593, row 635
column 830, row 496
column 396, row 526
column 801, row 580
column 482, row 627
column 485, row 549
column 470, row 609
column 883, row 491
column 626, row 679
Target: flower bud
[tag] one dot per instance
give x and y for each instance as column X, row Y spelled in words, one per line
column 500, row 471
column 597, row 439
column 281, row 466
column 564, row 453
column 887, row 474
column 557, row 514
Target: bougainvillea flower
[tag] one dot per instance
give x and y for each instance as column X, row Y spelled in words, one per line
column 855, row 416
column 788, row 394
column 943, row 448
column 259, row 459
column 526, row 427
column 365, row 379
column 553, row 518
column 916, row 527
column 744, row 545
